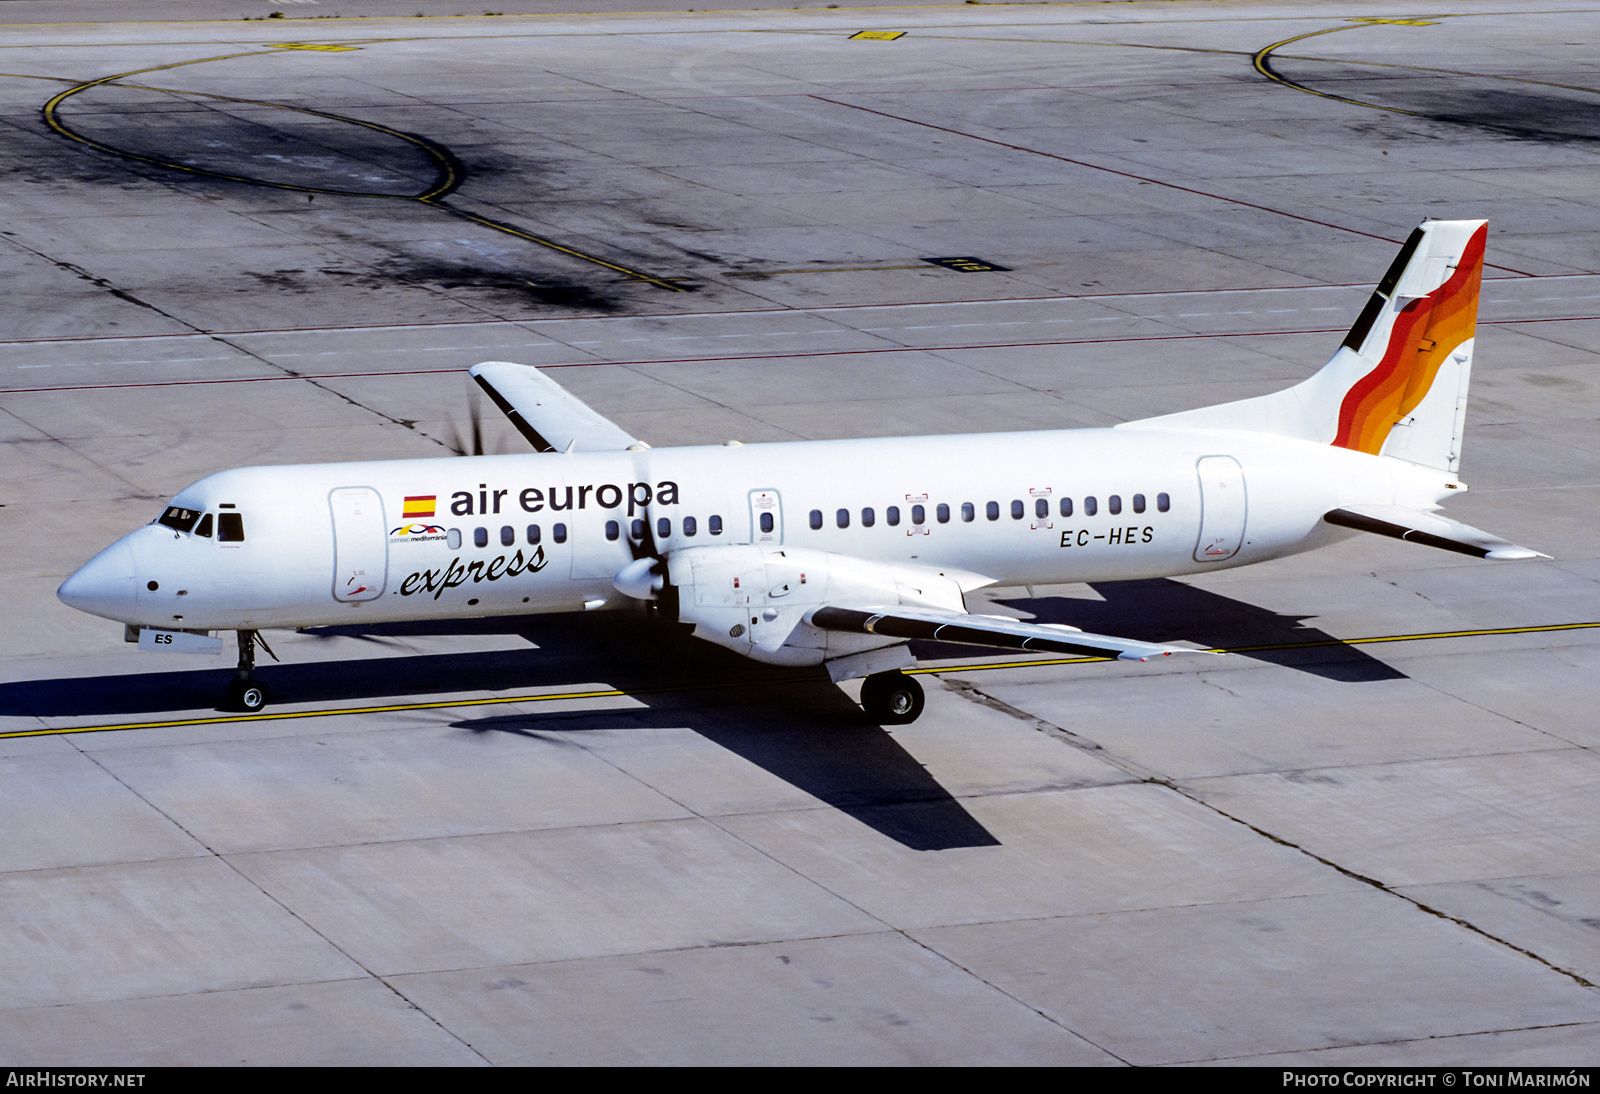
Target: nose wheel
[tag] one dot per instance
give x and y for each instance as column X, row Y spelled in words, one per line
column 891, row 698
column 246, row 695
column 245, row 692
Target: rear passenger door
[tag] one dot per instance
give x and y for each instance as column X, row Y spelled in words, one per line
column 1222, row 508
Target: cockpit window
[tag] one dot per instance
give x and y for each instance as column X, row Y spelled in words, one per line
column 179, row 518
column 230, row 528
column 204, row 527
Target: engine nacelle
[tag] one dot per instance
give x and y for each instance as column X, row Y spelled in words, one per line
column 754, row 599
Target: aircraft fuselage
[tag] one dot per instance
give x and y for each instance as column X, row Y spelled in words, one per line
column 329, row 544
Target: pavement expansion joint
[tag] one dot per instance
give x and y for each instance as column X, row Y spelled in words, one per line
column 1148, row 775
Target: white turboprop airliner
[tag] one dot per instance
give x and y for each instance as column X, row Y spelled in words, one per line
column 828, row 552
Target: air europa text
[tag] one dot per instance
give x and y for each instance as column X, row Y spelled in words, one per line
column 608, row 495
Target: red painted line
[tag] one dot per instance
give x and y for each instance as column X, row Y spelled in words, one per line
column 529, row 325
column 1550, row 319
column 1129, row 175
column 763, row 356
column 620, row 98
column 671, row 360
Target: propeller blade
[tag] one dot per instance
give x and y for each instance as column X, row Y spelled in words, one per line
column 476, row 406
column 644, row 547
column 469, row 443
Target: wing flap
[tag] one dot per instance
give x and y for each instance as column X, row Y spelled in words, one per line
column 1429, row 529
column 985, row 630
column 547, row 414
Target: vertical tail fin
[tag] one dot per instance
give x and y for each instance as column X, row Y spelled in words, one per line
column 1414, row 342
column 1398, row 384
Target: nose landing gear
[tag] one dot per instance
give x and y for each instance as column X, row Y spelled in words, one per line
column 245, row 693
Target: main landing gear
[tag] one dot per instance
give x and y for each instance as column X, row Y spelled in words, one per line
column 245, row 693
column 891, row 698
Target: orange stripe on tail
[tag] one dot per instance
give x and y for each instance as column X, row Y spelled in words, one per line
column 1425, row 333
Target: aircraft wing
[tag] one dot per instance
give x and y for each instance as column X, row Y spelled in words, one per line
column 986, row 630
column 550, row 416
column 1430, row 529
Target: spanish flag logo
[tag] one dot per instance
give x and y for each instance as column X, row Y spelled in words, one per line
column 419, row 506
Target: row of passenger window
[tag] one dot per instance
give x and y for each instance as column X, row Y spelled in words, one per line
column 558, row 532
column 969, row 512
column 891, row 515
column 691, row 528
column 508, row 536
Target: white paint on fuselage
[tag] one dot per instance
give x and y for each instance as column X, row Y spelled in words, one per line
column 283, row 575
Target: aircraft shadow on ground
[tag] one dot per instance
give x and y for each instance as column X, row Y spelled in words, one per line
column 841, row 759
column 797, row 726
column 1163, row 610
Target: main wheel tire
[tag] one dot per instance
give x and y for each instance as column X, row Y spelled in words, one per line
column 247, row 696
column 891, row 698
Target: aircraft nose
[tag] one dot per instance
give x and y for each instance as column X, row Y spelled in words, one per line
column 105, row 585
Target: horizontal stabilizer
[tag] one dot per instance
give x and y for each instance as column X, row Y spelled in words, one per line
column 1431, row 529
column 551, row 417
column 985, row 630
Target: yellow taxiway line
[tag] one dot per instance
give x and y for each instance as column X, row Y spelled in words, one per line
column 614, row 693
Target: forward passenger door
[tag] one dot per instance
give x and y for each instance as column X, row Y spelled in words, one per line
column 360, row 544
